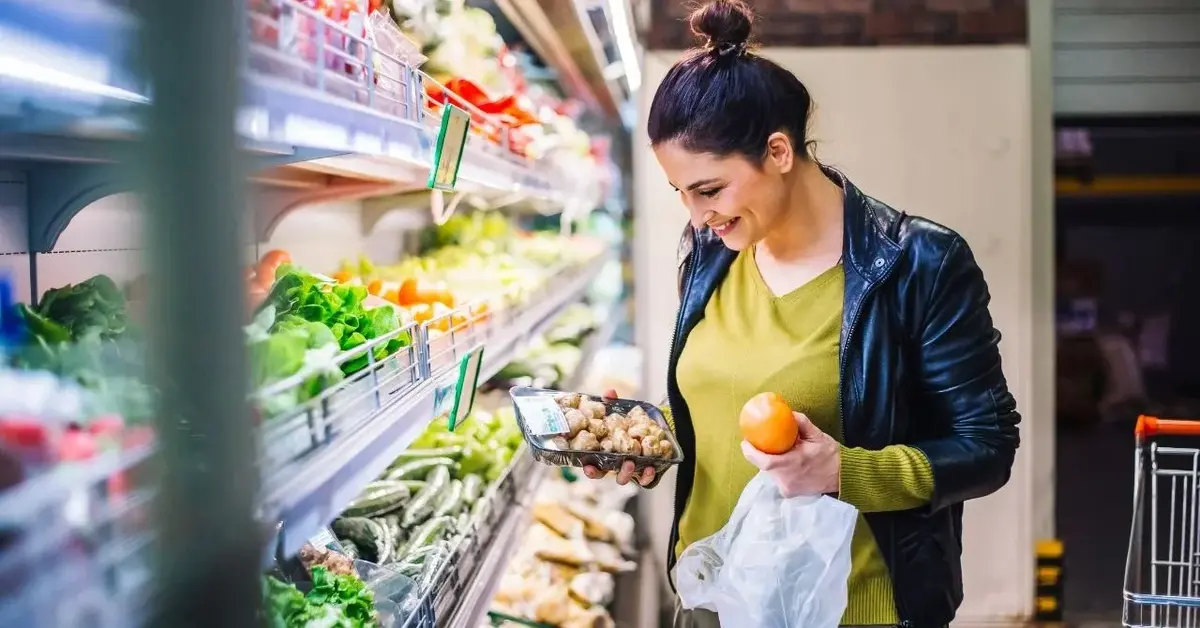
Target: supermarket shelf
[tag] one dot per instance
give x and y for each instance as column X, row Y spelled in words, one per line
column 565, row 36
column 68, row 93
column 313, row 494
column 475, row 599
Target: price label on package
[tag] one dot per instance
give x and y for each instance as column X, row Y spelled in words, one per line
column 542, row 416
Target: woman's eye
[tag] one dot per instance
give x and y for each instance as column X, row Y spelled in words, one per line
column 709, row 193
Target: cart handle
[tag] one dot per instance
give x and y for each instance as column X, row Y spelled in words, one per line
column 1148, row 426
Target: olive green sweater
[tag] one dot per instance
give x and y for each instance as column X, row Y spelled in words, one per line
column 751, row 341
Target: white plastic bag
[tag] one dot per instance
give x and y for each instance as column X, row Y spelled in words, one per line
column 778, row 563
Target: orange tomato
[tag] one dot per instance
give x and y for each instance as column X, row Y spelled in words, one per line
column 342, row 276
column 271, row 261
column 375, row 287
column 393, row 296
column 408, row 292
column 767, row 423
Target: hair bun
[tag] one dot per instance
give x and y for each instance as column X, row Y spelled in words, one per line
column 725, row 24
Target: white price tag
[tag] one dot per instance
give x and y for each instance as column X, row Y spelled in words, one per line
column 324, row 538
column 543, row 416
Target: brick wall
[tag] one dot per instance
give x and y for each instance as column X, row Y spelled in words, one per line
column 858, row 23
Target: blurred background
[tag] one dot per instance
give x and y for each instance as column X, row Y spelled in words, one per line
column 236, row 308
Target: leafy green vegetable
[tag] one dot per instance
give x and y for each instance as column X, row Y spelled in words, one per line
column 82, row 332
column 335, row 601
column 339, row 307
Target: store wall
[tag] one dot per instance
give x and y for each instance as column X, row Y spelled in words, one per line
column 944, row 132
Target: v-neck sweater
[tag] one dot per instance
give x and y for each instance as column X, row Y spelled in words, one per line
column 752, row 341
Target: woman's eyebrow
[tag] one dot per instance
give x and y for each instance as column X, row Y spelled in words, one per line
column 701, row 183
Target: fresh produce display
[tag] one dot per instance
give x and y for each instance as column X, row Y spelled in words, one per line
column 303, row 324
column 82, row 332
column 411, row 518
column 335, row 601
column 563, row 573
column 487, row 268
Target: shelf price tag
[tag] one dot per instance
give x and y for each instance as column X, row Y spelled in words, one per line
column 448, row 148
column 456, row 396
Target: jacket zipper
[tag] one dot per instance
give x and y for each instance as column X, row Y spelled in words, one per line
column 687, row 287
column 904, row 623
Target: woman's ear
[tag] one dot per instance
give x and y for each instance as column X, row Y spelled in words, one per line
column 780, row 151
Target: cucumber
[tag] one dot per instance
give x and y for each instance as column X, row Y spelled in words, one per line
column 381, row 500
column 416, row 555
column 463, row 522
column 453, row 452
column 419, row 469
column 364, row 533
column 450, row 501
column 386, row 544
column 473, row 486
column 413, row 485
column 428, row 534
column 422, row 505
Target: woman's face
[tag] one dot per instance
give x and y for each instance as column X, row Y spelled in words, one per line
column 738, row 199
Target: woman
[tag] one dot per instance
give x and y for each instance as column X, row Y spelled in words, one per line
column 871, row 323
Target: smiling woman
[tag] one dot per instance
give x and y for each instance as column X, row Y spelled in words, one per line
column 870, row 324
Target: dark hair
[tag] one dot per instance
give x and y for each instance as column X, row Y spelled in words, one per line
column 725, row 100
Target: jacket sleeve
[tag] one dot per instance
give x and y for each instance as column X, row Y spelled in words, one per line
column 962, row 381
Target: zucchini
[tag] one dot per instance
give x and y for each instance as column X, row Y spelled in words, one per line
column 453, row 452
column 413, row 485
column 463, row 522
column 450, row 501
column 428, row 534
column 416, row 555
column 386, row 544
column 422, row 505
column 363, row 532
column 419, row 469
column 473, row 486
column 385, row 498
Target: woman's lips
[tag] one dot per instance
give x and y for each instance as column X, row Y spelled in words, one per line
column 724, row 228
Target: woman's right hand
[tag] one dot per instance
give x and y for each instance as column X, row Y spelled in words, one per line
column 628, row 471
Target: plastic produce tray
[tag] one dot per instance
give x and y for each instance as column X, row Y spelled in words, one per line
column 605, row 461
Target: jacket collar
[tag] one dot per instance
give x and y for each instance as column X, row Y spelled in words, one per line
column 867, row 244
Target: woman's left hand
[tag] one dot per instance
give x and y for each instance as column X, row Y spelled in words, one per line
column 812, row 467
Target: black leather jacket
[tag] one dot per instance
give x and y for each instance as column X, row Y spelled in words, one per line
column 920, row 365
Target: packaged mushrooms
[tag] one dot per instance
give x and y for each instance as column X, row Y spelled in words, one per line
column 574, row 430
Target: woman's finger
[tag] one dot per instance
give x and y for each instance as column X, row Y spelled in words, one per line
column 610, row 394
column 647, row 476
column 592, row 472
column 626, row 473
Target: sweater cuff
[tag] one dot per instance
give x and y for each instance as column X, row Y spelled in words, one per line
column 852, row 480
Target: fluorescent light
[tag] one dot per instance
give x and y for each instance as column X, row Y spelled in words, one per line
column 24, row 70
column 619, row 20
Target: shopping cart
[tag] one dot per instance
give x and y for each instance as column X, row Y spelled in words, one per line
column 1162, row 586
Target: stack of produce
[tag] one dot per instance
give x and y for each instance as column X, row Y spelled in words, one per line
column 304, row 323
column 336, row 600
column 473, row 267
column 413, row 516
column 563, row 573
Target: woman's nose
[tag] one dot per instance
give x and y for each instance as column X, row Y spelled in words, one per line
column 701, row 218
